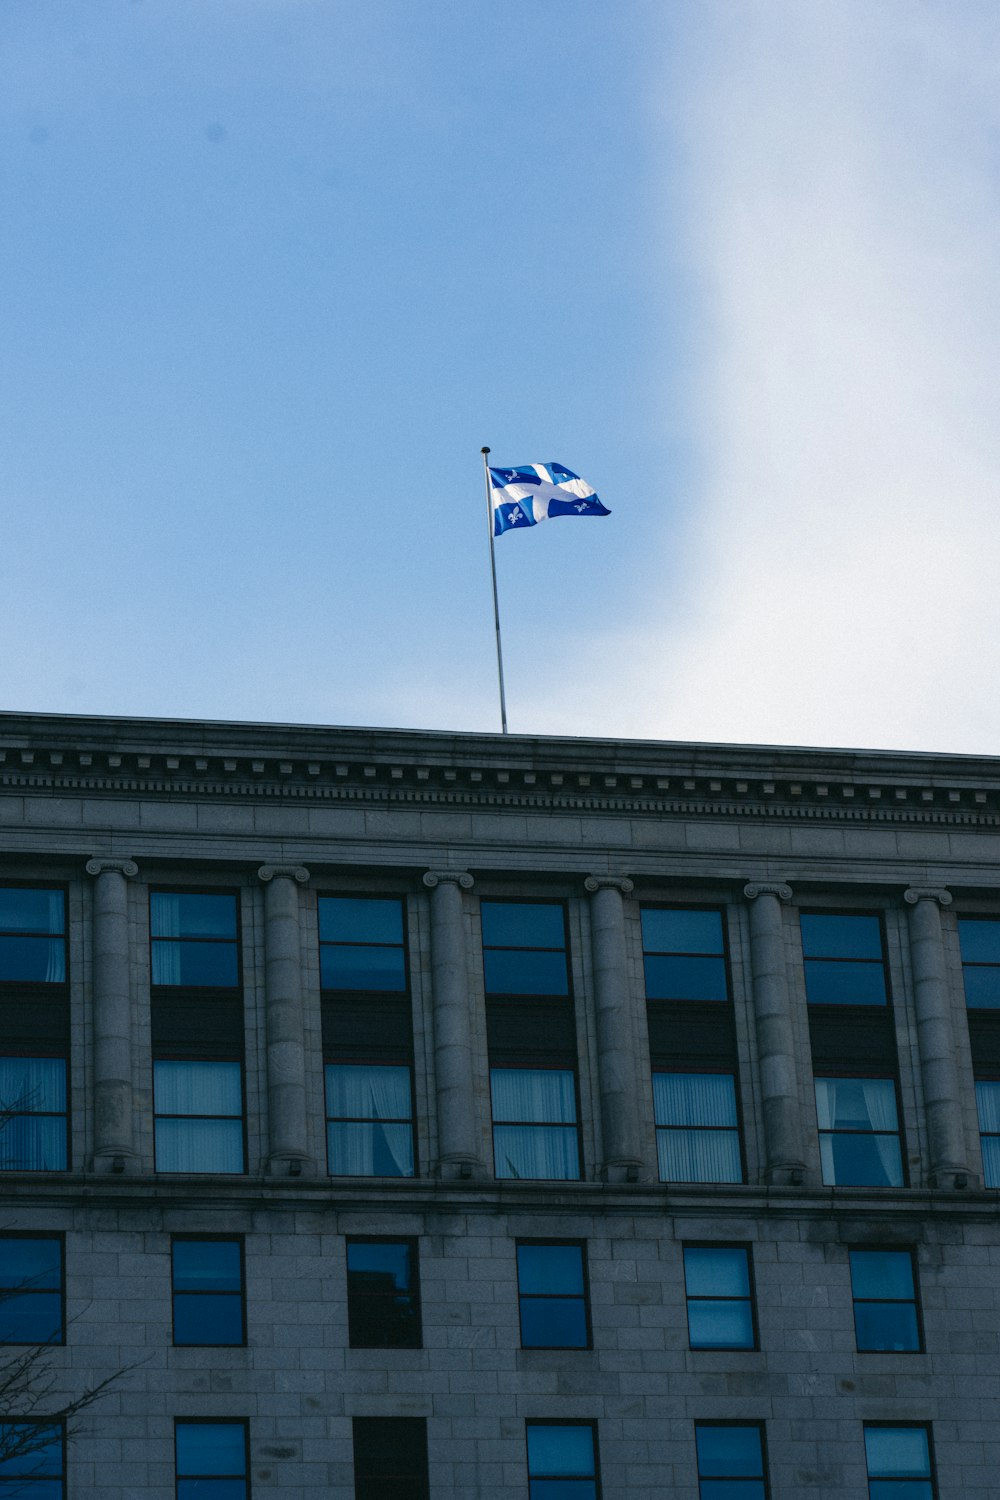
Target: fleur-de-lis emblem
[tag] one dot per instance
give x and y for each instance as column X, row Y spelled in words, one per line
column 517, row 514
column 582, row 505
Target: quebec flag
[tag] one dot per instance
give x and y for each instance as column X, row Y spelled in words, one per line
column 534, row 492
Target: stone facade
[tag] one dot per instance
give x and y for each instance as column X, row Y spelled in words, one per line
column 108, row 808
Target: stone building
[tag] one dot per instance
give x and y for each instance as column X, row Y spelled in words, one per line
column 438, row 1115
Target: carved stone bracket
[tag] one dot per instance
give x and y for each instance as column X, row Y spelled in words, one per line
column 291, row 872
column 461, row 878
column 614, row 882
column 926, row 893
column 762, row 888
column 99, row 864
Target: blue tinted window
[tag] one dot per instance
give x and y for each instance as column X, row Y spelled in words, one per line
column 561, row 1461
column 208, row 1292
column 33, row 1469
column 198, row 1116
column 859, row 1132
column 899, row 1463
column 697, row 1138
column 361, row 944
column 988, row 1106
column 674, row 930
column 193, row 939
column 32, row 941
column 683, row 955
column 31, row 1280
column 885, row 1303
column 211, row 1460
column 524, row 949
column 383, row 1306
column 552, row 1296
column 534, row 1123
column 730, row 1461
column 390, row 1458
column 843, row 960
column 720, row 1314
column 980, row 944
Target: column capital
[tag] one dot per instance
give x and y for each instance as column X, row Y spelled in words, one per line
column 100, row 864
column 767, row 888
column 917, row 893
column 461, row 878
column 613, row 882
column 291, row 872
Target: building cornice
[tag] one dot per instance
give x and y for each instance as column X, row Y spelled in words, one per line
column 108, row 757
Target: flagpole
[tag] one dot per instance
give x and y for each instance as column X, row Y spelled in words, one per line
column 496, row 601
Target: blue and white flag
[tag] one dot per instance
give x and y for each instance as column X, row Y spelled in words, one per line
column 533, row 492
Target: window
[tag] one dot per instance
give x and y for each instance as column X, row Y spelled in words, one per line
column 697, row 1132
column 988, row 1106
column 367, row 1036
column 37, row 1470
column 207, row 1276
column 979, row 938
column 31, row 1289
column 390, row 1458
column 719, row 1297
column 212, row 1460
column 562, row 1461
column 885, row 1300
column 731, row 1461
column 859, row 1132
column 899, row 1463
column 34, row 1030
column 692, row 1044
column 197, row 1024
column 552, row 1295
column 844, row 959
column 532, row 1040
column 383, row 1294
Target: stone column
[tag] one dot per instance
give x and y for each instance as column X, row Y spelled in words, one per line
column 458, row 1137
column 779, row 1085
column 288, row 1135
column 114, row 1138
column 935, row 1040
column 617, row 1075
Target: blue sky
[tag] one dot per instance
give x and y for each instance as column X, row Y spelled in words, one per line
column 276, row 269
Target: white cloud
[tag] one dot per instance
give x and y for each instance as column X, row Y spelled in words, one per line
column 843, row 221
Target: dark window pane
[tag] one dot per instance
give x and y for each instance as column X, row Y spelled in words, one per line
column 841, row 937
column 525, row 973
column 213, row 965
column 553, row 1323
column 861, row 1160
column 710, row 1272
column 882, row 1273
column 208, row 1319
column 982, row 988
column 685, row 978
column 211, row 1489
column 675, row 931
column 980, row 941
column 886, row 1326
column 901, row 1489
column 31, row 1318
column 216, row 1448
column 562, row 1489
column 390, row 1458
column 560, row 1448
column 30, row 1263
column 23, row 910
column 43, row 1460
column 32, row 960
column 206, row 1265
column 391, row 1263
column 176, row 914
column 844, row 984
column 344, row 967
column 550, row 1269
column 33, row 1143
column 731, row 1489
column 897, row 1452
column 359, row 919
column 515, row 924
column 729, row 1451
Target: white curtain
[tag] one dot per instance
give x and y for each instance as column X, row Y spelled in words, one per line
column 865, row 1107
column 543, row 1141
column 368, row 1126
column 694, row 1099
column 539, row 1095
column 699, row 1155
column 165, row 922
column 32, row 1114
column 193, row 1089
column 198, row 1088
column 55, row 968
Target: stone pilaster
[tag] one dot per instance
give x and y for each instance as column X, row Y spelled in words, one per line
column 947, row 1166
column 288, row 1134
column 617, row 1073
column 458, row 1150
column 779, row 1084
column 114, row 1130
